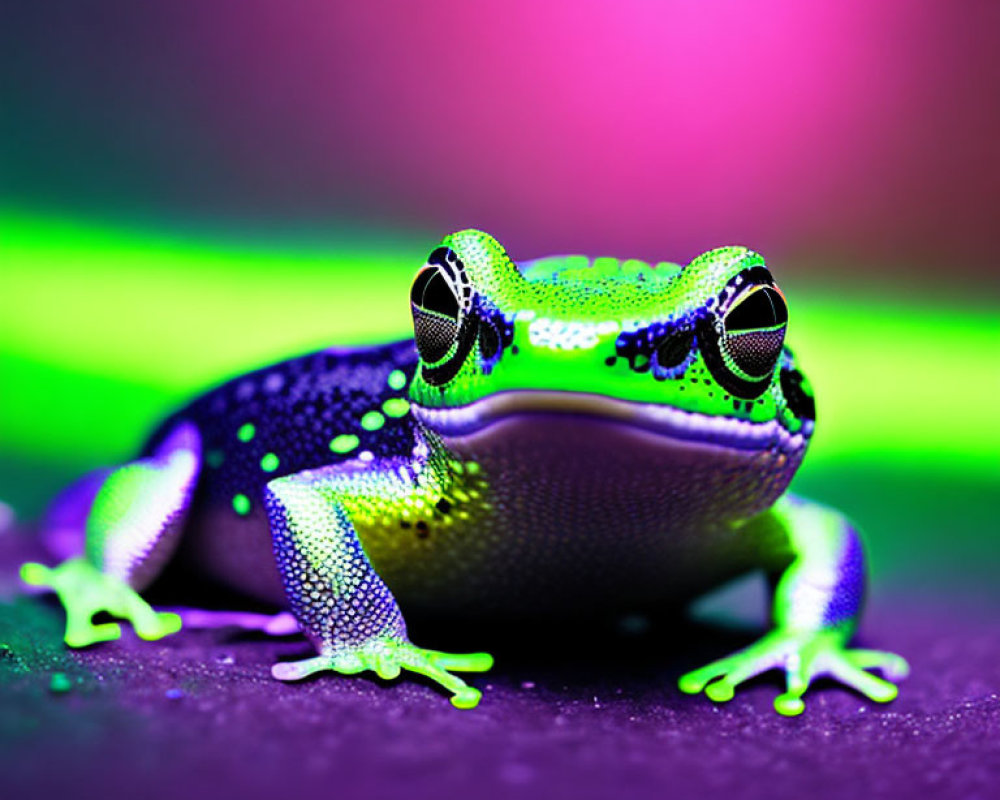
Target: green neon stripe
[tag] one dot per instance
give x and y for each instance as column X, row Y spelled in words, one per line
column 91, row 337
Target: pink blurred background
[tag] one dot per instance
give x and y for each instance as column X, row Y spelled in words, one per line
column 851, row 132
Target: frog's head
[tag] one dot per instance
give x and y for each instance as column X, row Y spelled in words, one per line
column 696, row 352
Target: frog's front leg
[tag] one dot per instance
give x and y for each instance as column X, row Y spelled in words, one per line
column 340, row 602
column 816, row 605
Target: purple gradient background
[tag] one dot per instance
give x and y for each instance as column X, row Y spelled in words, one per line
column 856, row 132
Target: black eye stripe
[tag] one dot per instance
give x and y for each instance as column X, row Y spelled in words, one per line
column 673, row 349
column 666, row 349
column 799, row 401
column 489, row 340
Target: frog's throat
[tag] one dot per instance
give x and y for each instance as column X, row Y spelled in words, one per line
column 688, row 426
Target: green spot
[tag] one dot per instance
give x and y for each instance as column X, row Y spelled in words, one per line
column 372, row 421
column 344, row 443
column 214, row 458
column 396, row 380
column 60, row 683
column 396, row 407
column 269, row 463
column 246, row 432
column 241, row 504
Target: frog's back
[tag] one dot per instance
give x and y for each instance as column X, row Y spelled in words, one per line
column 303, row 413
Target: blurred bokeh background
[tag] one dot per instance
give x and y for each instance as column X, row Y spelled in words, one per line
column 187, row 190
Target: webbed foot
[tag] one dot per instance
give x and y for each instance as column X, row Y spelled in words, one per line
column 84, row 591
column 804, row 656
column 387, row 657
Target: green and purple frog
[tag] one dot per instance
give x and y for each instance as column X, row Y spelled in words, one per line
column 562, row 437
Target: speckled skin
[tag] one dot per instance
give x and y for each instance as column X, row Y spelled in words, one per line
column 297, row 408
column 563, row 437
column 557, row 549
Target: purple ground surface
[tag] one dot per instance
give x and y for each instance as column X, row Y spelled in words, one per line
column 588, row 713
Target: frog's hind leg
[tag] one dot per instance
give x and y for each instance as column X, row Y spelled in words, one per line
column 129, row 520
column 64, row 526
column 339, row 600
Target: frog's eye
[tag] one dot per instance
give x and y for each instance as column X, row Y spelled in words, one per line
column 761, row 307
column 445, row 321
column 741, row 348
column 435, row 314
column 753, row 332
column 432, row 292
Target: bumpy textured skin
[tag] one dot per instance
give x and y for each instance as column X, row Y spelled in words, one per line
column 564, row 436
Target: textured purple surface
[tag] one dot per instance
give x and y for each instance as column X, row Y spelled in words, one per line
column 197, row 714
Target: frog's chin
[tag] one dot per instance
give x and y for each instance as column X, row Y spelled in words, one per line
column 673, row 423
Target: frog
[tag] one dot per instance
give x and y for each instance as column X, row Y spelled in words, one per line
column 562, row 437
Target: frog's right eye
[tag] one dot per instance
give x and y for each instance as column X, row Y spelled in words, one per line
column 435, row 314
column 432, row 292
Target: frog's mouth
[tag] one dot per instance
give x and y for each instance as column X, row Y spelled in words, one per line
column 688, row 426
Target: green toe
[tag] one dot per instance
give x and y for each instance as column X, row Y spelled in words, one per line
column 85, row 591
column 804, row 656
column 89, row 634
column 789, row 705
column 468, row 698
column 691, row 683
column 165, row 624
column 461, row 662
column 35, row 574
column 720, row 691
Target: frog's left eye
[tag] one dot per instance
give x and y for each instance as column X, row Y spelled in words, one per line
column 753, row 332
column 435, row 314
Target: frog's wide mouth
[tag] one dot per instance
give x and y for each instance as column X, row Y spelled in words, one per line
column 689, row 426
